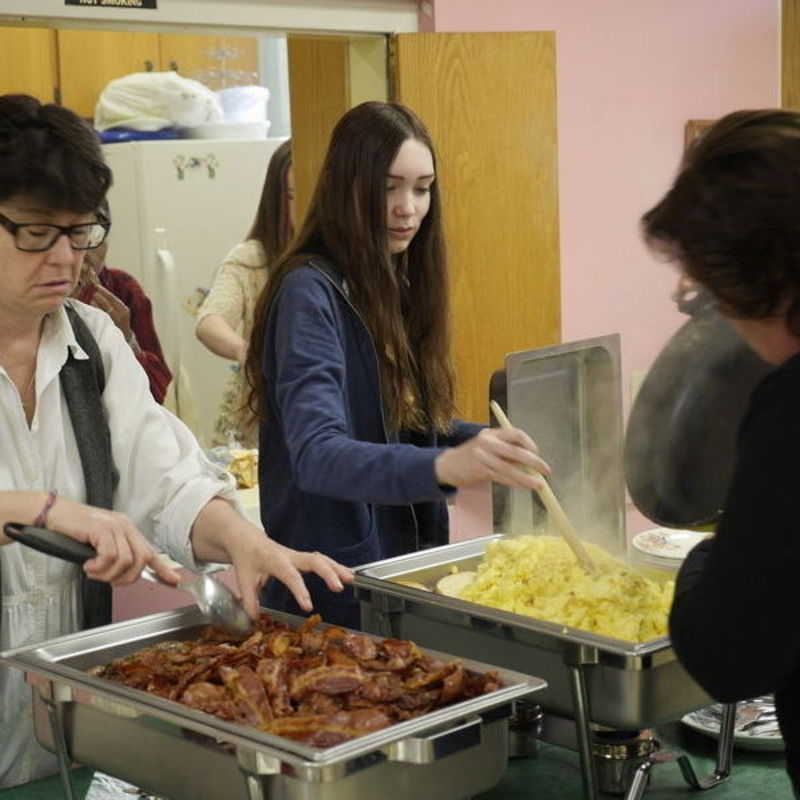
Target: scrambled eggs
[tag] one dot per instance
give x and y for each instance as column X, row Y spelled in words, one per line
column 538, row 576
column 244, row 467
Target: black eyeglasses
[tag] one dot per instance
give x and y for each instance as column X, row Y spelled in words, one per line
column 35, row 237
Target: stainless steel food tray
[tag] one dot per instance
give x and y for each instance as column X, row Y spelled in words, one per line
column 629, row 685
column 171, row 750
column 593, row 681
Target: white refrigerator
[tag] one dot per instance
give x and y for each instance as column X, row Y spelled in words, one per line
column 177, row 208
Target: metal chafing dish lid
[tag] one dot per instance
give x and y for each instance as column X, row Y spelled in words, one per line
column 680, row 441
column 568, row 398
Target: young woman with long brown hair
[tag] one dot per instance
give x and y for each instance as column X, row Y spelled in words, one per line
column 349, row 364
column 225, row 319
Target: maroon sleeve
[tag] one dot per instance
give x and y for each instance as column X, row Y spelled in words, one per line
column 150, row 356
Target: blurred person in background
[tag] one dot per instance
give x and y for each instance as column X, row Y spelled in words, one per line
column 225, row 319
column 121, row 296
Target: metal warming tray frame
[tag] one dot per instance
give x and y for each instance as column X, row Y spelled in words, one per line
column 591, row 679
column 171, row 750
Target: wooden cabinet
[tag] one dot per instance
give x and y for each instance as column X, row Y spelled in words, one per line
column 217, row 61
column 489, row 101
column 88, row 60
column 80, row 63
column 319, row 91
column 28, row 63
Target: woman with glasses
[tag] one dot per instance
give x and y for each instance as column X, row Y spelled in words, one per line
column 86, row 451
column 121, row 296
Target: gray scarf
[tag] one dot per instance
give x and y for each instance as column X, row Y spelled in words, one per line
column 83, row 382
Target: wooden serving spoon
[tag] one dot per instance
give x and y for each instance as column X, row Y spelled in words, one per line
column 554, row 509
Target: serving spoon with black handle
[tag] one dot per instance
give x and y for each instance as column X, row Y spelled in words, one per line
column 214, row 599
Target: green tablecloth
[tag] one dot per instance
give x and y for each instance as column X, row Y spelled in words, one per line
column 555, row 775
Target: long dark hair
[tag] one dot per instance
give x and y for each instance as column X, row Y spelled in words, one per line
column 272, row 224
column 49, row 154
column 403, row 299
column 732, row 216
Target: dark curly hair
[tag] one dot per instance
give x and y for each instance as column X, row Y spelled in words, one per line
column 732, row 216
column 49, row 154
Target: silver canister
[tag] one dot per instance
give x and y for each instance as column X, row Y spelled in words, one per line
column 524, row 729
column 617, row 756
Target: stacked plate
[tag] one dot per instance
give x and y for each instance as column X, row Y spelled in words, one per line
column 756, row 726
column 664, row 548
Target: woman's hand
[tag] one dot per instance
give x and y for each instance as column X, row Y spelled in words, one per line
column 114, row 307
column 122, row 551
column 507, row 456
column 267, row 559
column 222, row 534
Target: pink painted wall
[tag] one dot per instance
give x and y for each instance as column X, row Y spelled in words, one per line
column 629, row 76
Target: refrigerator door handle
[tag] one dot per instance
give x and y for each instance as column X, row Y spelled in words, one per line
column 166, row 280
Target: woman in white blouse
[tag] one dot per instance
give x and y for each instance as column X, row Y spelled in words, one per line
column 165, row 494
column 225, row 320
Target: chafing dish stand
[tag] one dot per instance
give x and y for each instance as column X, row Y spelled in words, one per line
column 579, row 736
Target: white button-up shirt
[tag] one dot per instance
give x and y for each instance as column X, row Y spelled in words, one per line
column 165, row 480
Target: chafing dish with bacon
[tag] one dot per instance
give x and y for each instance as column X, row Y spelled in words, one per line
column 298, row 711
column 321, row 686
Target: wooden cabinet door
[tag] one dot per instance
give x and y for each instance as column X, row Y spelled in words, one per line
column 88, row 60
column 217, row 61
column 319, row 93
column 28, row 62
column 489, row 101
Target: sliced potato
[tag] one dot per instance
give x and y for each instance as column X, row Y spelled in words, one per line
column 414, row 585
column 453, row 585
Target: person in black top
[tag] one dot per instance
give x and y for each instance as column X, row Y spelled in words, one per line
column 732, row 221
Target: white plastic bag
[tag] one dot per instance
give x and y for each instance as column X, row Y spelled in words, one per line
column 106, row 787
column 150, row 101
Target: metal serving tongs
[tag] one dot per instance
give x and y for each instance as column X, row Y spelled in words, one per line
column 214, row 599
column 554, row 509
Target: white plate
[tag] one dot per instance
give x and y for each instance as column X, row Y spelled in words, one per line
column 743, row 740
column 666, row 543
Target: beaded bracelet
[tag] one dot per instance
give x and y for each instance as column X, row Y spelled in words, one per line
column 41, row 519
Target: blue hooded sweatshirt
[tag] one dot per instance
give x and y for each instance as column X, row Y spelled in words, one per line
column 331, row 477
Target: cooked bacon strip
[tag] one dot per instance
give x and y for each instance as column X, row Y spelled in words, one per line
column 211, row 698
column 310, row 624
column 325, row 730
column 272, row 672
column 336, row 657
column 452, row 685
column 318, row 703
column 328, row 680
column 278, row 642
column 381, row 687
column 360, row 647
column 419, row 678
column 401, row 654
column 248, row 691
